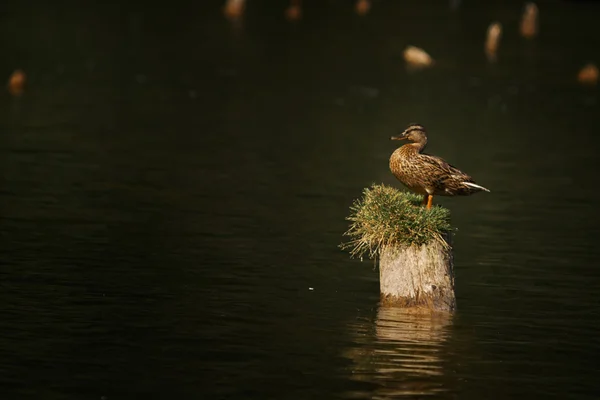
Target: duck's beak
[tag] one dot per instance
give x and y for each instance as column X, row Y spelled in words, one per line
column 401, row 136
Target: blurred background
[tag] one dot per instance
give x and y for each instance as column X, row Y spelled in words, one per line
column 175, row 177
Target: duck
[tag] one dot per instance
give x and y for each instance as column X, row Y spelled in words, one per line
column 426, row 174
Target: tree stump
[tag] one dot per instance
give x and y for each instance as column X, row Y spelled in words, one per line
column 412, row 244
column 418, row 275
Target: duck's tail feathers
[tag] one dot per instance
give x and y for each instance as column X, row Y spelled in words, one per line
column 475, row 186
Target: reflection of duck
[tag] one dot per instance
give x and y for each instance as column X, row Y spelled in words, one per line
column 425, row 174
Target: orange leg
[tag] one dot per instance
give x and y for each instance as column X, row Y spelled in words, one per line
column 429, row 201
column 425, row 199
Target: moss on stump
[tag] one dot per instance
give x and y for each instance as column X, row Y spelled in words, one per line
column 411, row 243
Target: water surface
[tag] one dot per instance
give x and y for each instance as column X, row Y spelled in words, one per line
column 173, row 192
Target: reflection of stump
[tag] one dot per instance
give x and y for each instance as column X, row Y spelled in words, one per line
column 406, row 325
column 417, row 276
column 401, row 353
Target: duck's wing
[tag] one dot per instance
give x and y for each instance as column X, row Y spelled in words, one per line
column 448, row 179
column 440, row 169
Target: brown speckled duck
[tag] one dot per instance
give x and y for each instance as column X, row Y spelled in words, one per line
column 425, row 174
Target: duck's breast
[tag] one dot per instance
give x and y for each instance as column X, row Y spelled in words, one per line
column 404, row 170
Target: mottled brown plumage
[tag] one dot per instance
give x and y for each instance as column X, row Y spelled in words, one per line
column 425, row 174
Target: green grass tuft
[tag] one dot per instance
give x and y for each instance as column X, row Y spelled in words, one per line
column 387, row 216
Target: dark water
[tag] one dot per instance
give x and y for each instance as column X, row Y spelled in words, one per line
column 173, row 191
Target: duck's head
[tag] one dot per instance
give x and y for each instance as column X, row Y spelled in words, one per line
column 413, row 133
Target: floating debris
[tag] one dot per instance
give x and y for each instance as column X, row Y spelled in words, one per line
column 416, row 57
column 588, row 75
column 16, row 83
column 362, row 7
column 529, row 21
column 294, row 10
column 492, row 41
column 234, row 9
